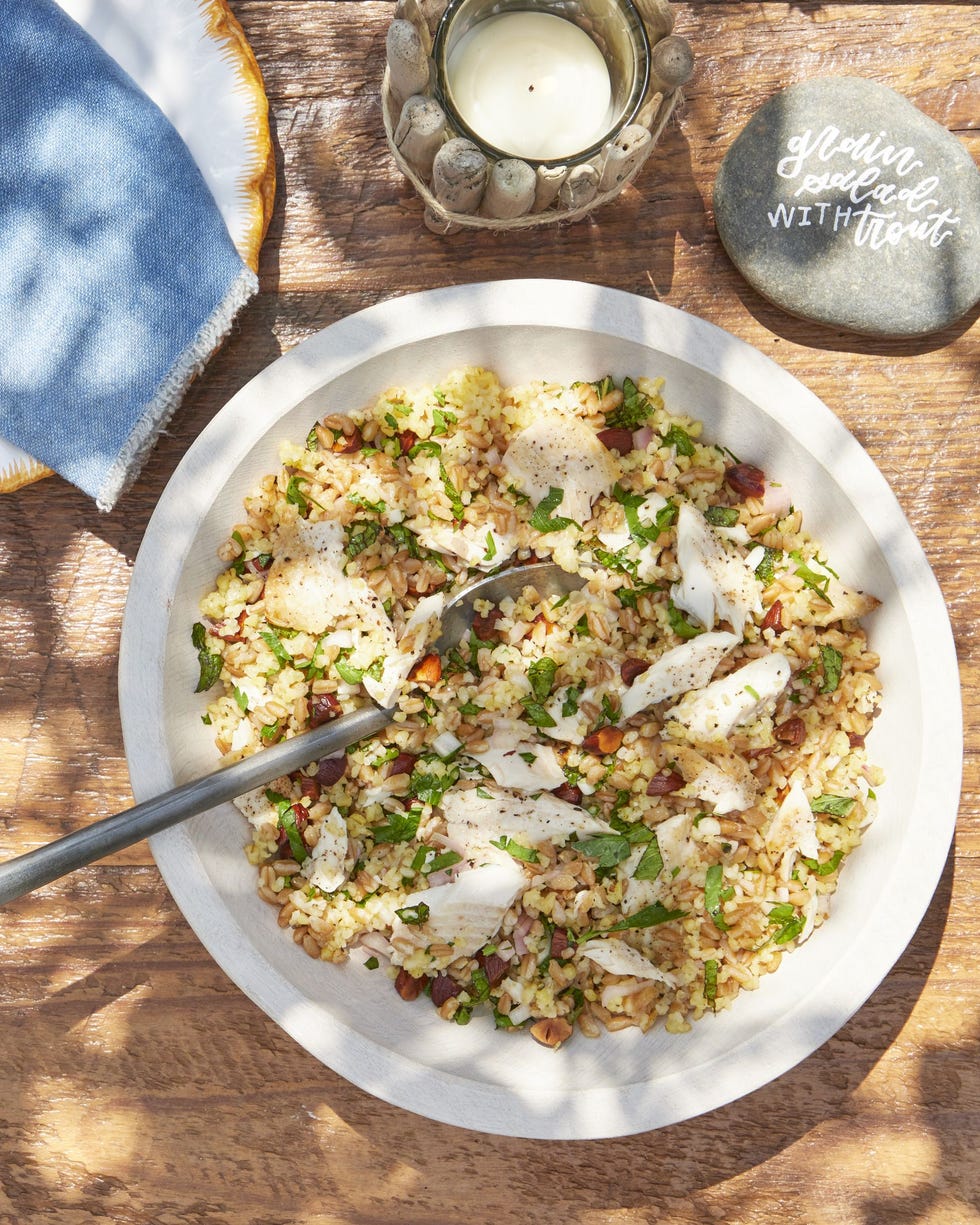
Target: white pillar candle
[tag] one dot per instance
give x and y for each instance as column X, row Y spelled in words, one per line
column 531, row 85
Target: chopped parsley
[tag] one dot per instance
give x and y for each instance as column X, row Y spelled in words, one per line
column 581, row 627
column 604, row 386
column 425, row 447
column 413, row 916
column 535, row 712
column 619, row 561
column 569, row 705
column 628, row 596
column 431, row 778
column 452, row 493
column 722, row 516
column 353, row 676
column 270, row 733
column 405, row 539
column 439, row 861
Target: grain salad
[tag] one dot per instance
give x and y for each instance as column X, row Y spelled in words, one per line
column 608, row 808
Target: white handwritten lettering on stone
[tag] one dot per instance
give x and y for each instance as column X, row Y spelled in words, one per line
column 916, row 211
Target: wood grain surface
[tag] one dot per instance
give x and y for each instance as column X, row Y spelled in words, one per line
column 137, row 1084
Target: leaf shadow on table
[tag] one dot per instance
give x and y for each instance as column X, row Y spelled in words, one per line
column 671, row 1169
column 177, row 1067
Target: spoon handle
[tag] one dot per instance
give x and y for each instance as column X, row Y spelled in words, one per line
column 26, row 872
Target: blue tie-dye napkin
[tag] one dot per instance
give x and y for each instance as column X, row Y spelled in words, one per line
column 118, row 277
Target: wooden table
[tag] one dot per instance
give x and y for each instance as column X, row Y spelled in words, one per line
column 137, row 1084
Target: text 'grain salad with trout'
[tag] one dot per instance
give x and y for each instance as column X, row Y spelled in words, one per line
column 597, row 809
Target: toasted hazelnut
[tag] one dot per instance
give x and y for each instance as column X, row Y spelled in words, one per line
column 428, row 670
column 408, row 986
column 605, row 740
column 551, row 1031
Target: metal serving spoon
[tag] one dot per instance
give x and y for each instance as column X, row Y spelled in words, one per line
column 26, row 872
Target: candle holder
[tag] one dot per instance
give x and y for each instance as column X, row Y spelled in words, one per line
column 468, row 178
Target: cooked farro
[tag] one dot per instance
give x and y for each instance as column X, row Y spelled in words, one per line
column 613, row 808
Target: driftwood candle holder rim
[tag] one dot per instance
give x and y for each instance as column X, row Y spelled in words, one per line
column 464, row 183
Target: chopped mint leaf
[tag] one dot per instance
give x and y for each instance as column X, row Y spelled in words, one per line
column 715, row 895
column 812, row 578
column 833, row 805
column 209, row 662
column 787, row 921
column 710, row 982
column 680, row 624
column 825, row 869
column 651, row 862
column 400, row 827
column 608, row 849
column 358, row 499
column 526, row 854
column 361, row 534
column 634, row 410
column 648, row 916
column 680, row 440
column 832, row 662
column 541, row 674
column 765, row 571
column 542, row 520
column 536, row 714
column 274, row 643
column 442, row 419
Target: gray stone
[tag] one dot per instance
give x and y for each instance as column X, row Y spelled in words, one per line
column 842, row 203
